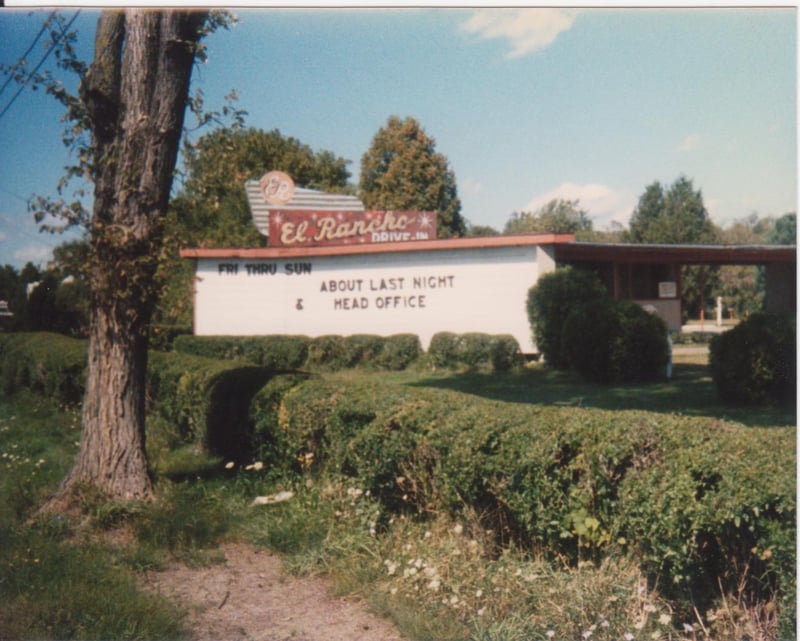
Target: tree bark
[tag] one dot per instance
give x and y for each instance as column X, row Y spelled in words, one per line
column 135, row 93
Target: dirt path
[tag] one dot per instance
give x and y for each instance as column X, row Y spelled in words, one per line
column 250, row 598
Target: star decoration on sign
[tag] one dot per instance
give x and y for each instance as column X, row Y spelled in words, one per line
column 425, row 220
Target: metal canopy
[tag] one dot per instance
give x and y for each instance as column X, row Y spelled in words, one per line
column 676, row 254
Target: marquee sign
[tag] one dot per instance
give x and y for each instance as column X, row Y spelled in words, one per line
column 292, row 216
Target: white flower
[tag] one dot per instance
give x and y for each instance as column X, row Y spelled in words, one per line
column 479, row 594
column 665, row 619
column 354, row 492
column 587, row 634
column 458, row 529
column 391, row 567
column 229, row 465
column 655, row 636
column 434, row 585
column 628, row 636
column 688, row 628
column 550, row 634
column 258, row 465
column 481, row 611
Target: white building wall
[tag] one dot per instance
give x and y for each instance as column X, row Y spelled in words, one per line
column 420, row 292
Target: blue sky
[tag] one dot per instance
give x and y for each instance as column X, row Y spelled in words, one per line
column 528, row 105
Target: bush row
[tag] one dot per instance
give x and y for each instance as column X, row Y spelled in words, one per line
column 204, row 401
column 697, row 501
column 51, row 364
column 333, row 352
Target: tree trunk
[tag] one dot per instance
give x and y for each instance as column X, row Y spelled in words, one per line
column 135, row 93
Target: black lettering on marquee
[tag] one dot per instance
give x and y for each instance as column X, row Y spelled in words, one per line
column 297, row 268
column 261, row 269
column 433, row 282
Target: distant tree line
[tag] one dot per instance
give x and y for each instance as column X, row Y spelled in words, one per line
column 50, row 299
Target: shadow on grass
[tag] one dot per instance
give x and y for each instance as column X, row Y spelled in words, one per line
column 690, row 392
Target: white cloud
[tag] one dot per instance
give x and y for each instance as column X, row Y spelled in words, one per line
column 603, row 204
column 36, row 254
column 528, row 30
column 692, row 141
column 470, row 186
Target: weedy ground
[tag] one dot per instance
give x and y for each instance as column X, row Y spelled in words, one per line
column 74, row 577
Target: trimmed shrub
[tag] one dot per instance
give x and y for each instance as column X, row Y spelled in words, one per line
column 277, row 352
column 399, row 351
column 163, row 336
column 50, row 364
column 756, row 361
column 442, row 349
column 474, row 350
column 551, row 301
column 505, row 353
column 588, row 337
column 206, row 400
column 641, row 351
column 608, row 341
column 326, row 353
column 673, row 491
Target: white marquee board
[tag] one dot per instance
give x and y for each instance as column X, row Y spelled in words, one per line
column 420, row 292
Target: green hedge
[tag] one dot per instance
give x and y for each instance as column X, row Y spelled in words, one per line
column 326, row 353
column 278, row 352
column 205, row 401
column 474, row 350
column 51, row 364
column 756, row 361
column 610, row 341
column 695, row 499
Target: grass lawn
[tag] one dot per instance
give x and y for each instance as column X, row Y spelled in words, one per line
column 690, row 391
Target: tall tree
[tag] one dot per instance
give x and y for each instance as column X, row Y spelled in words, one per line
column 677, row 215
column 134, row 96
column 671, row 216
column 558, row 217
column 212, row 208
column 402, row 170
column 784, row 231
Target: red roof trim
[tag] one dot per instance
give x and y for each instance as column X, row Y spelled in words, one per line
column 477, row 242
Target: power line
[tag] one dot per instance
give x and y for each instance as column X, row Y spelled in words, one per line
column 41, row 62
column 29, row 49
